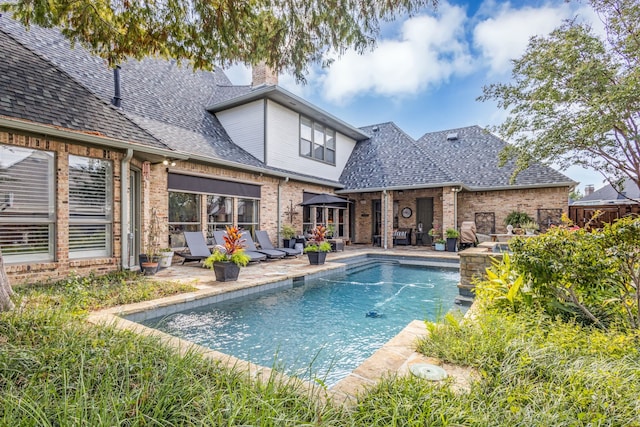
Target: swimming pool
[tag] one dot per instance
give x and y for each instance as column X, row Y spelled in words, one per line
column 325, row 328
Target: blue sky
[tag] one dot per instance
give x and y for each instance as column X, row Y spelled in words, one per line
column 427, row 70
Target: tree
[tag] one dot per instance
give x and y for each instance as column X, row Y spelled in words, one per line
column 286, row 34
column 575, row 195
column 574, row 98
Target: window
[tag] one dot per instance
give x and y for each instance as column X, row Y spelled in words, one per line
column 248, row 215
column 184, row 215
column 317, row 141
column 27, row 211
column 219, row 214
column 90, row 207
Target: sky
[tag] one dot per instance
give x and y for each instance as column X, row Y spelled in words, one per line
column 427, row 70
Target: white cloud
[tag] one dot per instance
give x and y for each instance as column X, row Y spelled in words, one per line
column 428, row 51
column 505, row 34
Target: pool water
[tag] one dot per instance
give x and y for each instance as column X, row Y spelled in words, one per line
column 324, row 329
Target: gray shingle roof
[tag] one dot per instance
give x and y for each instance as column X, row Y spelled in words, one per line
column 34, row 90
column 390, row 158
column 472, row 159
column 608, row 194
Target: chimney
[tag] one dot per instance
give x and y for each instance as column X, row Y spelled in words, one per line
column 588, row 190
column 116, row 100
column 263, row 75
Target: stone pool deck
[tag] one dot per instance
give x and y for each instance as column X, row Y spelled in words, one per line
column 394, row 358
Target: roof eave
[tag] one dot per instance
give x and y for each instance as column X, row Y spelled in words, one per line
column 456, row 184
column 83, row 137
column 260, row 170
column 293, row 102
column 105, row 141
column 399, row 187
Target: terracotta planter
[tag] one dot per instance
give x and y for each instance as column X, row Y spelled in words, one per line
column 317, row 258
column 149, row 268
column 226, row 271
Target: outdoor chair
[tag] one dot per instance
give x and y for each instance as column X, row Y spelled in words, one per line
column 198, row 249
column 265, row 243
column 270, row 253
column 218, row 236
column 402, row 236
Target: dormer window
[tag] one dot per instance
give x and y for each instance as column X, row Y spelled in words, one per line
column 317, row 141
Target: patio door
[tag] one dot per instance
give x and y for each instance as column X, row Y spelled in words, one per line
column 424, row 215
column 133, row 232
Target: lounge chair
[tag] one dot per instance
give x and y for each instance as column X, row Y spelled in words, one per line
column 270, row 253
column 265, row 243
column 218, row 236
column 198, row 249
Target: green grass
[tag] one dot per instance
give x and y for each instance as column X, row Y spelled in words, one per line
column 58, row 370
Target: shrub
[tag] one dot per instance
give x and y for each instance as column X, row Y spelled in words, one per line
column 517, row 218
column 574, row 273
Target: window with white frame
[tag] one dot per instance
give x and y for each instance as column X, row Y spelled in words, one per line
column 90, row 207
column 248, row 215
column 27, row 204
column 317, row 141
column 184, row 215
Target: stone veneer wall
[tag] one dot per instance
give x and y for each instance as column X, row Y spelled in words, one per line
column 62, row 266
column 474, row 263
column 505, row 201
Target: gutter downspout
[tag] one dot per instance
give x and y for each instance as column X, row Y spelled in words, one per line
column 385, row 202
column 125, row 209
column 455, row 206
column 279, row 221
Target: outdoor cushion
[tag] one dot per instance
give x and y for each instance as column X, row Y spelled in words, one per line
column 265, row 243
column 218, row 236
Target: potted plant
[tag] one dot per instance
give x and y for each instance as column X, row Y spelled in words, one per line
column 227, row 259
column 439, row 244
column 435, row 233
column 166, row 256
column 530, row 227
column 288, row 236
column 452, row 239
column 517, row 218
column 149, row 261
column 317, row 248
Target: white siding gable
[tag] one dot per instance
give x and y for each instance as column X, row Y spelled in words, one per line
column 245, row 125
column 283, row 145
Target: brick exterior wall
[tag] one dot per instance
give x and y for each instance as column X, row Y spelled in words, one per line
column 501, row 203
column 448, row 204
column 62, row 266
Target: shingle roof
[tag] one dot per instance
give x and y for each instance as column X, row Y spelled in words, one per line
column 33, row 90
column 608, row 194
column 390, row 158
column 472, row 159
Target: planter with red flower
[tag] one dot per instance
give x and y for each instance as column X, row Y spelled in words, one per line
column 318, row 247
column 227, row 259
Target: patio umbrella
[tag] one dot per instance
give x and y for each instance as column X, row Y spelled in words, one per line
column 324, row 200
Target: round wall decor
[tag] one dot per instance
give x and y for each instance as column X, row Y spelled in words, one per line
column 406, row 212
